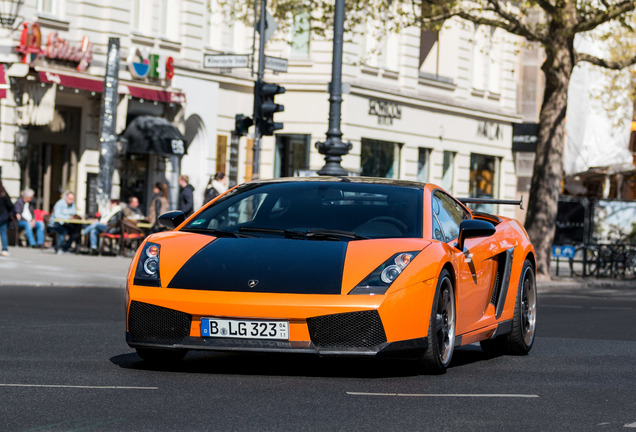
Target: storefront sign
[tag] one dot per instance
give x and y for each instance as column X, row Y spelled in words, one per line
column 490, row 130
column 143, row 65
column 57, row 48
column 524, row 137
column 385, row 111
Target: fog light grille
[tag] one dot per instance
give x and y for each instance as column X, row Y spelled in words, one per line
column 348, row 330
column 146, row 321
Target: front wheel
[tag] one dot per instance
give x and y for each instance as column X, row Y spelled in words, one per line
column 441, row 329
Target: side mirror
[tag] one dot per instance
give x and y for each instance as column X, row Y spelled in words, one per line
column 472, row 228
column 172, row 219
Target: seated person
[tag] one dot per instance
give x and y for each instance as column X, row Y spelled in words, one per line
column 96, row 228
column 132, row 210
column 66, row 233
column 26, row 219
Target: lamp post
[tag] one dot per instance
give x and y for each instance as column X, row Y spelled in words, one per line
column 9, row 10
column 333, row 148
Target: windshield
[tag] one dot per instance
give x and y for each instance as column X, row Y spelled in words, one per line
column 315, row 210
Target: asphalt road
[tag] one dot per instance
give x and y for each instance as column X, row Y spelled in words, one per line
column 64, row 366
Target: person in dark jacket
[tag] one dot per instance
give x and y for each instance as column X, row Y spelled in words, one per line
column 186, row 197
column 7, row 213
column 216, row 186
column 26, row 219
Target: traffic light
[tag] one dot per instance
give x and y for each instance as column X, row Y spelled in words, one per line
column 265, row 107
column 241, row 124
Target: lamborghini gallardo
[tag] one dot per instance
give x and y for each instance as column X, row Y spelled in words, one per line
column 334, row 266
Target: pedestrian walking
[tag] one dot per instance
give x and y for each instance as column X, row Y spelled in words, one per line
column 7, row 213
column 158, row 205
column 186, row 197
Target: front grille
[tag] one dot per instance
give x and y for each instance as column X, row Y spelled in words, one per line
column 348, row 330
column 146, row 321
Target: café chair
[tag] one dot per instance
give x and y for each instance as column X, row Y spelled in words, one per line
column 122, row 237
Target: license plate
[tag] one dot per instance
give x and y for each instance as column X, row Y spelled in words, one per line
column 244, row 329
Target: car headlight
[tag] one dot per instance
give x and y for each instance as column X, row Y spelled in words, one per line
column 147, row 272
column 380, row 279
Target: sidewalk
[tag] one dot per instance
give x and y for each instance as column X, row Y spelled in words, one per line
column 28, row 266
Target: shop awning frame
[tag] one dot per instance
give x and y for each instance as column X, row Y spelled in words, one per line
column 96, row 84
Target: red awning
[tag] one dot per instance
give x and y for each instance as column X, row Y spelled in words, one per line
column 3, row 82
column 94, row 83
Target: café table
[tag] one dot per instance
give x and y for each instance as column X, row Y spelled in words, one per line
column 79, row 223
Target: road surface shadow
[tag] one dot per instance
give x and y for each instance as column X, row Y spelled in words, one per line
column 267, row 364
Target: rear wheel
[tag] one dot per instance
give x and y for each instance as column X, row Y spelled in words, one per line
column 441, row 329
column 161, row 356
column 524, row 321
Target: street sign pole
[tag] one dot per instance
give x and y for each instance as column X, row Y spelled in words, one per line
column 261, row 73
column 107, row 133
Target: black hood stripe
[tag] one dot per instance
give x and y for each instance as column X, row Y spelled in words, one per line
column 265, row 265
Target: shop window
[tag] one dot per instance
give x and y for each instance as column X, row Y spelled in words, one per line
column 301, row 33
column 140, row 21
column 380, row 158
column 381, row 47
column 221, row 28
column 423, row 157
column 48, row 7
column 448, row 171
column 486, row 59
column 221, row 153
column 169, row 20
column 292, row 155
column 483, row 179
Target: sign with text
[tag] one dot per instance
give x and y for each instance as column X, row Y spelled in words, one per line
column 386, row 111
column 226, row 61
column 276, row 64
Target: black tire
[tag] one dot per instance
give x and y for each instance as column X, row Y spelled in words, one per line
column 524, row 320
column 161, row 356
column 442, row 327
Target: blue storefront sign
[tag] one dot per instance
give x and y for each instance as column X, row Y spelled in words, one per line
column 563, row 251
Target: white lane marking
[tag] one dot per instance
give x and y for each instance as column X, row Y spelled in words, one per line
column 562, row 306
column 611, row 308
column 79, row 386
column 485, row 395
column 631, row 425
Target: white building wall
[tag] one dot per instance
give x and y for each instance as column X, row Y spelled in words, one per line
column 439, row 115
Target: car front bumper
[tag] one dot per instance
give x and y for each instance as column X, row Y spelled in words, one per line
column 395, row 324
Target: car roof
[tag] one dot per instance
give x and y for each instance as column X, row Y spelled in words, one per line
column 363, row 180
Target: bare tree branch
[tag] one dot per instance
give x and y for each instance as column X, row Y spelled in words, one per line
column 547, row 6
column 514, row 27
column 603, row 16
column 609, row 64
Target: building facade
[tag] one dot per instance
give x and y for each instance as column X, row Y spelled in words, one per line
column 429, row 106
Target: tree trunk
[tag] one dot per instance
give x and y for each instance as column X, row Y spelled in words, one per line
column 548, row 165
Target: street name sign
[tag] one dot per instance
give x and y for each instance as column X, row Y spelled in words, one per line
column 225, row 61
column 276, row 64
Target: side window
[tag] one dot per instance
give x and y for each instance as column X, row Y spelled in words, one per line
column 239, row 213
column 449, row 213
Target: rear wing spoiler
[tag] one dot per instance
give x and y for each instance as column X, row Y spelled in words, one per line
column 491, row 201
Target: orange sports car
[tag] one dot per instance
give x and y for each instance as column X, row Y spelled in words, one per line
column 333, row 266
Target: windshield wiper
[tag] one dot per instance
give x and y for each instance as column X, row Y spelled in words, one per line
column 312, row 234
column 214, row 232
column 278, row 231
column 337, row 234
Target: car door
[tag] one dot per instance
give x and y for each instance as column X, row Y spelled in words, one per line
column 474, row 264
